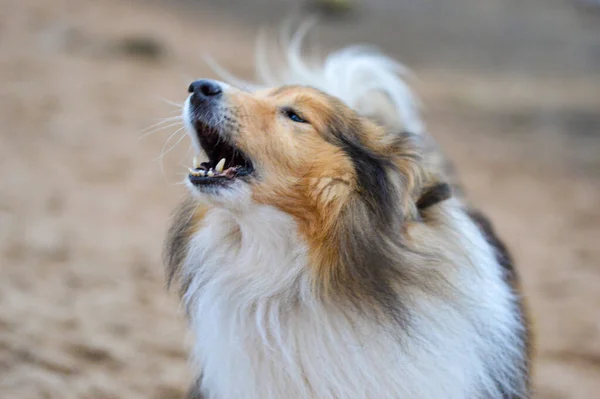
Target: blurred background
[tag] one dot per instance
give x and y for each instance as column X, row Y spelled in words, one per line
column 511, row 90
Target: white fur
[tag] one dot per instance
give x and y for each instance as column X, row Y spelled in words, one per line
column 262, row 334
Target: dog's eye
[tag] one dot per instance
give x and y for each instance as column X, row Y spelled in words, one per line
column 291, row 114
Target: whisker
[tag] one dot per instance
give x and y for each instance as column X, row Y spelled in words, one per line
column 163, row 153
column 162, row 121
column 185, row 155
column 157, row 129
column 181, row 183
column 192, row 214
column 176, row 144
column 173, row 103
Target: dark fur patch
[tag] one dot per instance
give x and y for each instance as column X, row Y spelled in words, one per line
column 434, row 195
column 505, row 260
column 502, row 255
column 370, row 265
column 372, row 175
column 175, row 249
column 373, row 170
column 194, row 390
column 370, row 228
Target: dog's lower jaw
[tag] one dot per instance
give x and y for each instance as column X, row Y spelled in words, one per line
column 235, row 197
column 262, row 333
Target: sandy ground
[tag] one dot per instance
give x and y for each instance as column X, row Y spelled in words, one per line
column 84, row 200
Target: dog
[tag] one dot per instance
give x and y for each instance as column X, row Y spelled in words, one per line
column 326, row 250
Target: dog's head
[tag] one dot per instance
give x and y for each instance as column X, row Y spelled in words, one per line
column 306, row 153
column 295, row 148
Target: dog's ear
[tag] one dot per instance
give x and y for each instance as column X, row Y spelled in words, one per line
column 432, row 195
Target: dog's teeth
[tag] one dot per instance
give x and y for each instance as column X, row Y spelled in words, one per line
column 210, row 173
column 196, row 163
column 194, row 172
column 202, row 172
column 220, row 165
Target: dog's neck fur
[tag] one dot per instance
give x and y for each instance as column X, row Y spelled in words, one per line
column 262, row 333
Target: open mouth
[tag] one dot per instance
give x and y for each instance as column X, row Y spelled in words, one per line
column 225, row 164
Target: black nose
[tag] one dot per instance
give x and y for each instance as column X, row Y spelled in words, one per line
column 205, row 88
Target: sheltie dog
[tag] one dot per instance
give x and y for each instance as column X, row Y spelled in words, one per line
column 326, row 252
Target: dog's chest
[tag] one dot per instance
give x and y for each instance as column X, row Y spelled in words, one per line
column 271, row 349
column 261, row 334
